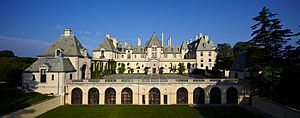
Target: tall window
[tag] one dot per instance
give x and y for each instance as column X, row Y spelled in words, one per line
column 70, row 76
column 201, row 53
column 43, row 75
column 209, row 53
column 209, row 60
column 102, row 54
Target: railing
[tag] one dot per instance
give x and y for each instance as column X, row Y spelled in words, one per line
column 136, row 81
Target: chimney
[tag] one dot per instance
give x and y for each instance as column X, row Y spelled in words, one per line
column 139, row 41
column 162, row 39
column 190, row 40
column 206, row 38
column 200, row 35
column 107, row 35
column 196, row 37
column 125, row 43
column 169, row 42
column 68, row 32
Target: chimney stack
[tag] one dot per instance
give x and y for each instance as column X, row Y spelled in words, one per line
column 139, row 41
column 206, row 38
column 107, row 35
column 190, row 40
column 169, row 42
column 200, row 35
column 162, row 39
column 68, row 32
column 196, row 37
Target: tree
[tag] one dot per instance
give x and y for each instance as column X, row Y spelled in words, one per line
column 7, row 53
column 173, row 69
column 161, row 70
column 181, row 68
column 225, row 57
column 269, row 34
column 122, row 68
column 240, row 47
column 146, row 70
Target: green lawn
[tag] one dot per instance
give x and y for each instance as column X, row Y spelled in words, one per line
column 12, row 99
column 134, row 111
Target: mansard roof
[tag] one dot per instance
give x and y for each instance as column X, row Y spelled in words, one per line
column 172, row 50
column 54, row 64
column 205, row 45
column 153, row 41
column 68, row 44
column 107, row 45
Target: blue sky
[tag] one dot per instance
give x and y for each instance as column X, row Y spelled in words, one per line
column 28, row 27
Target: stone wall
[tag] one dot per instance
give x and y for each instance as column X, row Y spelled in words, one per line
column 273, row 109
column 37, row 109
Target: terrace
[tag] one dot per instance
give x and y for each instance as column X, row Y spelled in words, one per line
column 156, row 79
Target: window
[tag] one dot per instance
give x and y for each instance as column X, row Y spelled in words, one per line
column 102, row 54
column 209, row 53
column 201, row 53
column 209, row 64
column 33, row 77
column 70, row 76
column 201, row 60
column 122, row 56
column 236, row 75
column 143, row 99
column 142, row 65
column 138, row 71
column 134, row 56
column 127, row 64
column 52, row 77
column 209, row 60
column 43, row 75
column 201, row 65
column 165, row 99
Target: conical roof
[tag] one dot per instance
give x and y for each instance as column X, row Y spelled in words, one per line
column 153, row 41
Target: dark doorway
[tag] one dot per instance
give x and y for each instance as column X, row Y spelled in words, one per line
column 110, row 96
column 165, row 99
column 76, row 96
column 126, row 96
column 153, row 70
column 215, row 95
column 83, row 69
column 231, row 95
column 154, row 96
column 182, row 96
column 93, row 96
column 198, row 96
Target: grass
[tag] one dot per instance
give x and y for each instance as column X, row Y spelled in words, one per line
column 12, row 99
column 134, row 111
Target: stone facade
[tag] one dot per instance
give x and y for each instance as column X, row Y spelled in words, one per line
column 199, row 53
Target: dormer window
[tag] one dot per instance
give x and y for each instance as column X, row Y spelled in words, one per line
column 102, row 54
column 59, row 53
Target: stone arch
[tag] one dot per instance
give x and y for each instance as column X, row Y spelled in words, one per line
column 126, row 96
column 215, row 95
column 231, row 95
column 182, row 96
column 93, row 96
column 110, row 96
column 76, row 96
column 199, row 96
column 154, row 96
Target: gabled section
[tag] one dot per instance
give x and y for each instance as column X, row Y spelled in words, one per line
column 52, row 65
column 107, row 45
column 67, row 43
column 153, row 41
column 205, row 45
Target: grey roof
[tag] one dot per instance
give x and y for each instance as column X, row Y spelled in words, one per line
column 205, row 45
column 240, row 62
column 69, row 44
column 172, row 49
column 54, row 64
column 106, row 44
column 138, row 49
column 153, row 41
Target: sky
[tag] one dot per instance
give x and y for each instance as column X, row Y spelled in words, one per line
column 29, row 27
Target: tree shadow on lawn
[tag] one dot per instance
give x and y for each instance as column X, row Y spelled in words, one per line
column 226, row 112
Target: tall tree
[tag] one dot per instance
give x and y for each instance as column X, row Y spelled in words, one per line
column 240, row 47
column 269, row 35
column 225, row 57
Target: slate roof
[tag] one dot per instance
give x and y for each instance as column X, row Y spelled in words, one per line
column 56, row 64
column 153, row 41
column 107, row 44
column 138, row 49
column 172, row 50
column 69, row 44
column 240, row 62
column 205, row 45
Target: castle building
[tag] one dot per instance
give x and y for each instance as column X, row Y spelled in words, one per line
column 64, row 69
column 199, row 53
